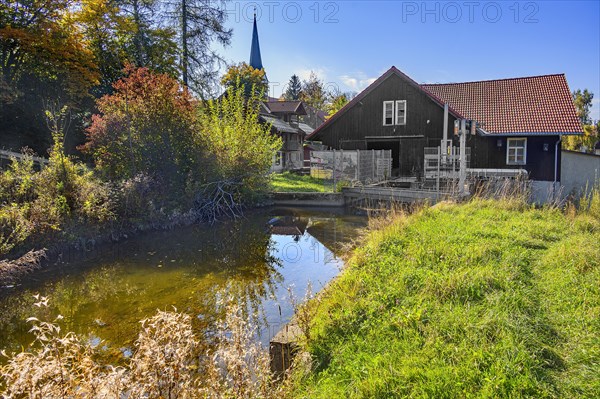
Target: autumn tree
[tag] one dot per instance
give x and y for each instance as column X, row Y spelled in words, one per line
column 43, row 56
column 120, row 32
column 294, row 89
column 101, row 24
column 336, row 100
column 147, row 125
column 248, row 77
column 38, row 39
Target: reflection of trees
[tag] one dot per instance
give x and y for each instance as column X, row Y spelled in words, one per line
column 68, row 297
column 200, row 268
column 242, row 253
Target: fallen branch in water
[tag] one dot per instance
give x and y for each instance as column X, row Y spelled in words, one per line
column 219, row 200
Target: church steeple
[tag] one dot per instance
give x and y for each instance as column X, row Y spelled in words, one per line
column 255, row 59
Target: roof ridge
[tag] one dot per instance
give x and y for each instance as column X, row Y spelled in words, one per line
column 493, row 80
column 372, row 86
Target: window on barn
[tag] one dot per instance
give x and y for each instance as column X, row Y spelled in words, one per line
column 516, row 151
column 388, row 113
column 401, row 112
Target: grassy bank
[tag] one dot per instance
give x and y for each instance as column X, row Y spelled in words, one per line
column 485, row 299
column 293, row 183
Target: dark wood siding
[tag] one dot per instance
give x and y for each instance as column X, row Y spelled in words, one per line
column 365, row 119
column 490, row 152
column 361, row 127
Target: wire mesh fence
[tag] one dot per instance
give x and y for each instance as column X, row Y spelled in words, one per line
column 355, row 166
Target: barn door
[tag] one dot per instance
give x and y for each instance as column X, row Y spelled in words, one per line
column 411, row 156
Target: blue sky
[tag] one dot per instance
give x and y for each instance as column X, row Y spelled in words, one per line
column 350, row 43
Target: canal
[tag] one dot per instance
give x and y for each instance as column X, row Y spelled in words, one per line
column 103, row 293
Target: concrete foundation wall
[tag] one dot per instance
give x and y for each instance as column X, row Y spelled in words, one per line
column 542, row 192
column 307, row 199
column 578, row 170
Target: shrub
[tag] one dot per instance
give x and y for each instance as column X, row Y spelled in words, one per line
column 239, row 367
column 66, row 188
column 146, row 126
column 14, row 227
column 17, row 182
column 164, row 363
column 242, row 148
column 38, row 203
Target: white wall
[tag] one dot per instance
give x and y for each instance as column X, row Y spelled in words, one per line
column 578, row 170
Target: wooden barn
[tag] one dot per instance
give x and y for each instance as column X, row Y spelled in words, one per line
column 519, row 122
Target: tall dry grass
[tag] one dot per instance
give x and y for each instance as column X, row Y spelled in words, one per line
column 166, row 363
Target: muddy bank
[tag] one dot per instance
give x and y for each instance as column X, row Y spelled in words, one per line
column 13, row 270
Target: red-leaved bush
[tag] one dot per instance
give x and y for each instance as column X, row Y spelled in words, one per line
column 146, row 126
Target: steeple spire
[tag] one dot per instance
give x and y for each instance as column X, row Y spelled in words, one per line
column 255, row 59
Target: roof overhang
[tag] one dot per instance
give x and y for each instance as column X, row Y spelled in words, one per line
column 482, row 132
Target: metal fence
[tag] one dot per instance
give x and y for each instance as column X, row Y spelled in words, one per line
column 444, row 166
column 366, row 166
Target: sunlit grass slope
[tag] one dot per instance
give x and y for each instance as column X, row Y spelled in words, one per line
column 290, row 182
column 484, row 299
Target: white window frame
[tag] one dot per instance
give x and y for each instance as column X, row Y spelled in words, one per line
column 277, row 159
column 511, row 159
column 385, row 104
column 396, row 116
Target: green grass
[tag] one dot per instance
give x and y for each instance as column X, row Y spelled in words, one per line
column 290, row 182
column 485, row 299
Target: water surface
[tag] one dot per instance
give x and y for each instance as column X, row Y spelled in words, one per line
column 104, row 293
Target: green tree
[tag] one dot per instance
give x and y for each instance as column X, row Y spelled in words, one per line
column 583, row 103
column 313, row 92
column 242, row 148
column 294, row 89
column 148, row 43
column 252, row 80
column 587, row 141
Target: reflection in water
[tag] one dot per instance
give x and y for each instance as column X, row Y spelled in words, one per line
column 253, row 260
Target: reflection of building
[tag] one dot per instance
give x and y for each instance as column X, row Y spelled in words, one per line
column 288, row 225
column 329, row 230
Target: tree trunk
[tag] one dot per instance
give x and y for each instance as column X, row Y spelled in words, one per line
column 184, row 45
column 137, row 39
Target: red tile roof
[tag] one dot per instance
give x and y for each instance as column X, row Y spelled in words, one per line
column 538, row 104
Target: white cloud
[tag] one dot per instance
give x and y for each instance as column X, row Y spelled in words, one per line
column 357, row 83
